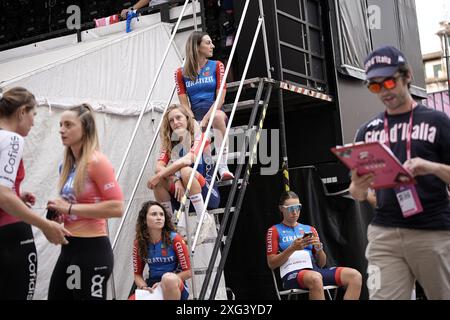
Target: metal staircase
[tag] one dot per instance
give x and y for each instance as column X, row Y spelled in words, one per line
column 226, row 218
column 255, row 103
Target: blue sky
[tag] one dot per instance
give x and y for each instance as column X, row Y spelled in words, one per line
column 429, row 14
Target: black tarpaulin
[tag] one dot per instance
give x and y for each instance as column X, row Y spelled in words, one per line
column 341, row 223
column 354, row 32
column 364, row 25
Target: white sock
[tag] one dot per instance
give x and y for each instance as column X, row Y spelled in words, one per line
column 168, row 206
column 217, row 142
column 198, row 203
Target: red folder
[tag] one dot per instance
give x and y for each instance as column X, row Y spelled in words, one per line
column 376, row 158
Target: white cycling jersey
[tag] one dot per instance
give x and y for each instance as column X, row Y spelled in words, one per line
column 11, row 149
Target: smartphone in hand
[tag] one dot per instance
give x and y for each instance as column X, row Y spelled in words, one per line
column 51, row 214
column 308, row 235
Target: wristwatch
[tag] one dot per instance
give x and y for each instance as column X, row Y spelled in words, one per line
column 319, row 247
column 177, row 175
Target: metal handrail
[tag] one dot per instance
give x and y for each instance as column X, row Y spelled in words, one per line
column 124, row 216
column 152, row 87
column 230, row 121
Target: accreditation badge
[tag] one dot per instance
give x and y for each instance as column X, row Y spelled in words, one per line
column 409, row 201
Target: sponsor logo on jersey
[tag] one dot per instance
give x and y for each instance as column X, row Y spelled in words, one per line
column 32, row 268
column 26, row 242
column 97, row 286
column 169, row 259
column 13, row 155
column 190, row 83
column 181, row 255
column 289, row 238
column 269, row 240
column 375, row 123
column 135, row 259
column 108, row 186
column 399, row 132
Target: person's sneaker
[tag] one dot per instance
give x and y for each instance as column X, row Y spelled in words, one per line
column 225, row 174
column 206, row 230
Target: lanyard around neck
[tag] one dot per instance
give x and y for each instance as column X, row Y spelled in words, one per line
column 408, row 137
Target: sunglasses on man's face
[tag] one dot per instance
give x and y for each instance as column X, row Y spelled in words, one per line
column 388, row 83
column 293, row 208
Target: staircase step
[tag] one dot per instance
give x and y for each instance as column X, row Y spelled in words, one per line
column 233, row 86
column 213, row 212
column 220, row 210
column 227, row 183
column 202, row 271
column 232, row 156
column 242, row 105
column 235, row 131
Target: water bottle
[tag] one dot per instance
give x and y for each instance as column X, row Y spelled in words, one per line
column 130, row 15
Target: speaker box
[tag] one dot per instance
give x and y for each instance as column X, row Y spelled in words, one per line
column 295, row 36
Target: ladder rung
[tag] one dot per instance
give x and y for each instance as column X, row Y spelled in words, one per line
column 232, row 156
column 242, row 105
column 241, row 130
column 208, row 240
column 213, row 211
column 200, row 271
column 220, row 210
column 227, row 183
column 235, row 84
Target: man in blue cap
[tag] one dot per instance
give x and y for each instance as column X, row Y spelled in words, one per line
column 409, row 237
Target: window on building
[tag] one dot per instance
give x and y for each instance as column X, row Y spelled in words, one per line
column 437, row 69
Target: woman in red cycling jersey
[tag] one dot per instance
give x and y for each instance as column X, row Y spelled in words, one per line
column 18, row 258
column 89, row 195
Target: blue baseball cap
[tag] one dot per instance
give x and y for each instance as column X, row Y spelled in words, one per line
column 383, row 62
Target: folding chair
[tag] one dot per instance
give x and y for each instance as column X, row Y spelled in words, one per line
column 291, row 292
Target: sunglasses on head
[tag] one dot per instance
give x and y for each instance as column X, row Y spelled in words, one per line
column 388, row 83
column 293, row 208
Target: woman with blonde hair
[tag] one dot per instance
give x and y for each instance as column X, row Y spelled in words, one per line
column 165, row 252
column 180, row 143
column 198, row 85
column 89, row 195
column 18, row 257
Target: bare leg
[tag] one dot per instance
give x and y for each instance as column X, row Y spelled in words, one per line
column 314, row 282
column 170, row 285
column 185, row 174
column 161, row 191
column 351, row 279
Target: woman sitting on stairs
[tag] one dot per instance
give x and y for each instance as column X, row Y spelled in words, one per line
column 165, row 252
column 180, row 143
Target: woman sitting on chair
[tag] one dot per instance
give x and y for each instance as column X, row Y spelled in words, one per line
column 165, row 252
column 296, row 249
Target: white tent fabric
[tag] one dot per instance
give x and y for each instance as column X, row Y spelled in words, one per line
column 113, row 71
column 114, row 75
